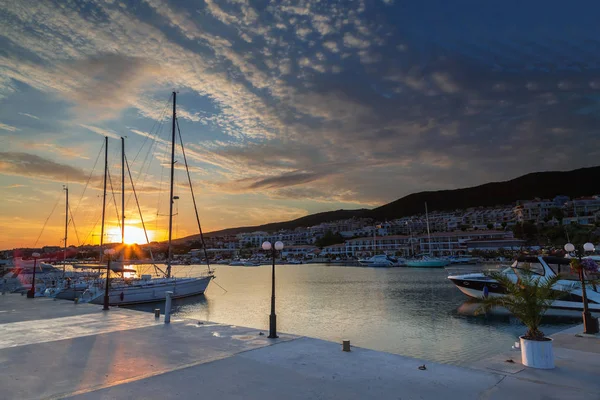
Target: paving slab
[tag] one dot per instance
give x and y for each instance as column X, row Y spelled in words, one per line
column 309, row 369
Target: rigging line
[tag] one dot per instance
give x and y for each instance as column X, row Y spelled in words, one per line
column 162, row 174
column 160, row 121
column 187, row 170
column 47, row 219
column 114, row 199
column 154, row 135
column 89, row 177
column 74, row 227
column 141, row 216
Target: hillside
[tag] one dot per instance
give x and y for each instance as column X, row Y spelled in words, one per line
column 576, row 183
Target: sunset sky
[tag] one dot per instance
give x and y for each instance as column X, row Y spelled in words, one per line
column 287, row 108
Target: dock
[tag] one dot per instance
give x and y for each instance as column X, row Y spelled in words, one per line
column 55, row 349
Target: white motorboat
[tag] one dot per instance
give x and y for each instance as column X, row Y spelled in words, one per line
column 477, row 284
column 379, row 261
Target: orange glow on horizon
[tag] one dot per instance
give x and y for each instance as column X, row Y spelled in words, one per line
column 133, row 235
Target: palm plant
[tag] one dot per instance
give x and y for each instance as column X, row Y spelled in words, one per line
column 527, row 299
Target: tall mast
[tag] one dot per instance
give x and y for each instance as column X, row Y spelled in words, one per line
column 104, row 196
column 428, row 234
column 170, row 251
column 66, row 188
column 122, row 192
column 122, row 258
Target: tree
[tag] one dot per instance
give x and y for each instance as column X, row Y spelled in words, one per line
column 490, row 226
column 329, row 238
column 527, row 299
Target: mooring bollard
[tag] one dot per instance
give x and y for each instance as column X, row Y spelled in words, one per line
column 346, row 345
column 168, row 308
column 75, row 300
column 157, row 313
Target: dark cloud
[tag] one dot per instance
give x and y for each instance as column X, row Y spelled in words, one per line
column 30, row 165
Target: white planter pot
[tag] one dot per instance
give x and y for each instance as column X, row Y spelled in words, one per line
column 536, row 354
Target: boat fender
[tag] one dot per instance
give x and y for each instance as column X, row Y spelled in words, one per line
column 122, row 296
column 486, row 291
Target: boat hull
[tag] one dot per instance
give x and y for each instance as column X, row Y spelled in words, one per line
column 154, row 292
column 426, row 263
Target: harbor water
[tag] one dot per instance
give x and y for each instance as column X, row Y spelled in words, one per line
column 407, row 311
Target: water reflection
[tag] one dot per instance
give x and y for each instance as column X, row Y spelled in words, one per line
column 414, row 312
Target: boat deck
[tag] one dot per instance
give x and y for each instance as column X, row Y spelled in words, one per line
column 58, row 349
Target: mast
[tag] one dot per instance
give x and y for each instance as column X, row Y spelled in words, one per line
column 428, row 234
column 170, row 251
column 104, row 196
column 66, row 188
column 122, row 195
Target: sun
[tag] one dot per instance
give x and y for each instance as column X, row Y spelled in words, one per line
column 133, row 235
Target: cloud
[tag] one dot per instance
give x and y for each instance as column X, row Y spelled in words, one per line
column 8, row 127
column 101, row 131
column 33, row 166
column 28, row 115
column 350, row 40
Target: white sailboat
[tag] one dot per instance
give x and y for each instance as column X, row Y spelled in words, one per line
column 427, row 261
column 126, row 291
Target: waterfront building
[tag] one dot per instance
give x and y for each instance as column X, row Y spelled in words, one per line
column 304, row 251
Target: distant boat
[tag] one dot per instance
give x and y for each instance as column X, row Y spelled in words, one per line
column 252, row 264
column 379, row 261
column 427, row 261
column 237, row 263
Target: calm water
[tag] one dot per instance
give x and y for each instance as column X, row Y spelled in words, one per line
column 413, row 312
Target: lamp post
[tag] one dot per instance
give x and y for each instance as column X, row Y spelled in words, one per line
column 590, row 324
column 109, row 253
column 31, row 292
column 272, row 318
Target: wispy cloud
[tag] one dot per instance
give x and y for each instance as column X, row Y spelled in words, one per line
column 101, row 131
column 8, row 127
column 29, row 115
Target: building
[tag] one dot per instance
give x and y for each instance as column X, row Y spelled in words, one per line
column 304, row 251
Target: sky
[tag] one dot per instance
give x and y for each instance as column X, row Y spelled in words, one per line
column 286, row 108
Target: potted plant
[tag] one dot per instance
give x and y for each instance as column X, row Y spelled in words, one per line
column 528, row 299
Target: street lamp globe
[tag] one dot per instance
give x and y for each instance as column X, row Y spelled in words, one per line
column 278, row 245
column 569, row 247
column 35, row 255
column 266, row 245
column 588, row 246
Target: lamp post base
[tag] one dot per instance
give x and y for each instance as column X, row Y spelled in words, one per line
column 590, row 324
column 105, row 308
column 273, row 326
column 30, row 294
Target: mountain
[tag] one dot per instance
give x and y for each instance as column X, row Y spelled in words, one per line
column 576, row 183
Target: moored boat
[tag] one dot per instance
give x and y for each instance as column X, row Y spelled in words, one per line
column 476, row 285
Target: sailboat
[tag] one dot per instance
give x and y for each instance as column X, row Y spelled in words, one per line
column 427, row 261
column 126, row 291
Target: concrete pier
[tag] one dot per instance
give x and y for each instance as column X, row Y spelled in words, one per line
column 56, row 349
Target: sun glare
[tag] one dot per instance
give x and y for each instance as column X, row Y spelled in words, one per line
column 132, row 235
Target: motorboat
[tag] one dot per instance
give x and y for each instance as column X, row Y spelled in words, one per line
column 379, row 261
column 477, row 284
column 237, row 263
column 427, row 262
